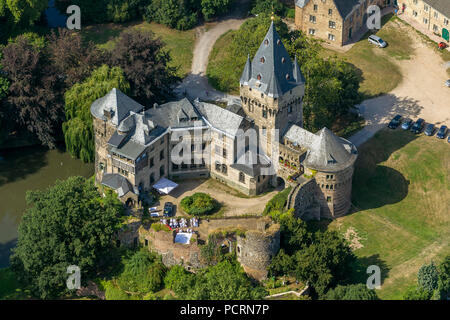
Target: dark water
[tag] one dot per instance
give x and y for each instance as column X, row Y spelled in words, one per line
column 54, row 18
column 31, row 168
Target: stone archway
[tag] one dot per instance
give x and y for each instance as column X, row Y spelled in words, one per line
column 281, row 183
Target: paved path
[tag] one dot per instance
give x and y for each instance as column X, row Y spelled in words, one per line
column 421, row 93
column 196, row 85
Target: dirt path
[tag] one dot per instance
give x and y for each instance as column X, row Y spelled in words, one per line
column 421, row 93
column 234, row 204
column 196, row 85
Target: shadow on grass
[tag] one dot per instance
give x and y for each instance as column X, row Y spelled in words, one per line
column 376, row 185
column 360, row 275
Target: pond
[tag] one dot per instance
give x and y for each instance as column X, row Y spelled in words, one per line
column 30, row 168
column 54, row 18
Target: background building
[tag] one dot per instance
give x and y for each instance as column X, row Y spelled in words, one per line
column 335, row 21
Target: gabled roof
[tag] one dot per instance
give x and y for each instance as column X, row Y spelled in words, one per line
column 300, row 137
column 118, row 103
column 220, row 118
column 118, row 183
column 251, row 163
column 272, row 70
column 168, row 115
column 443, row 6
column 330, row 153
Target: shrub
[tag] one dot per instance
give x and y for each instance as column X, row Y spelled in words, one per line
column 199, row 204
column 351, row 292
column 278, row 202
column 160, row 227
column 428, row 277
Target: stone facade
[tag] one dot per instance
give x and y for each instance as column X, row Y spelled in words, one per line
column 335, row 21
column 256, row 249
column 433, row 15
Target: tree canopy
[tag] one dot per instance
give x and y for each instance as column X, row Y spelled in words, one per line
column 24, row 11
column 67, row 224
column 144, row 62
column 351, row 292
column 78, row 130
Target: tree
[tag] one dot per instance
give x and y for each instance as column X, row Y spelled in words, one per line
column 324, row 263
column 35, row 92
column 282, row 264
column 25, row 12
column 428, row 277
column 444, row 278
column 78, row 130
column 145, row 65
column 267, row 7
column 224, row 281
column 416, row 293
column 351, row 292
column 214, row 8
column 179, row 280
column 67, row 224
column 178, row 14
column 73, row 59
column 142, row 274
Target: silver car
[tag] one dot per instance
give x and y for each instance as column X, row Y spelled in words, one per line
column 377, row 41
column 447, row 83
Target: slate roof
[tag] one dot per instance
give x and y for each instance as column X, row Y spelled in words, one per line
column 345, row 7
column 116, row 139
column 130, row 149
column 443, row 6
column 251, row 163
column 300, row 137
column 220, row 118
column 330, row 153
column 117, row 182
column 168, row 115
column 271, row 71
column 117, row 102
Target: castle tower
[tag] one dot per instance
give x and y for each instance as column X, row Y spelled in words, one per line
column 272, row 89
column 331, row 161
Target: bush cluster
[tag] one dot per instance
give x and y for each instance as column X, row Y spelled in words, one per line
column 199, row 204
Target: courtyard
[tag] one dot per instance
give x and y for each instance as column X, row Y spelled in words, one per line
column 233, row 203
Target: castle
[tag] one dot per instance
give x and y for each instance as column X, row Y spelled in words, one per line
column 135, row 146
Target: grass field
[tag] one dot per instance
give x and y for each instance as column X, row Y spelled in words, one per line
column 401, row 197
column 180, row 43
column 378, row 71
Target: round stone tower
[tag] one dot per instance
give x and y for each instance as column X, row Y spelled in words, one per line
column 331, row 161
column 256, row 249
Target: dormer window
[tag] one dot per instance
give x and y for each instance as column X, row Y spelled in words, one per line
column 283, row 60
column 266, row 42
column 288, row 77
column 278, row 42
column 263, row 59
column 258, row 77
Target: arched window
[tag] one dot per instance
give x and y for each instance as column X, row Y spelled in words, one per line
column 161, row 171
column 152, row 178
column 224, row 169
column 241, row 177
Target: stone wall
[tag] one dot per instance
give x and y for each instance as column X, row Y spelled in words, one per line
column 256, row 249
column 302, row 199
column 162, row 242
column 334, row 192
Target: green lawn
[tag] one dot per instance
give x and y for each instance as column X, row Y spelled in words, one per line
column 180, row 43
column 378, row 71
column 401, row 196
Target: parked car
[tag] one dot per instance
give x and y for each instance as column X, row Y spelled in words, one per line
column 447, row 83
column 377, row 41
column 418, row 126
column 429, row 129
column 168, row 209
column 407, row 124
column 448, row 139
column 395, row 122
column 442, row 132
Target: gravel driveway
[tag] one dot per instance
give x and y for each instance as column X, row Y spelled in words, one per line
column 421, row 93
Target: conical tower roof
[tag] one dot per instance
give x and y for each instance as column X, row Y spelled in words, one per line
column 247, row 74
column 330, row 153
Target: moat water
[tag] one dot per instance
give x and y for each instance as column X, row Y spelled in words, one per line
column 30, row 168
